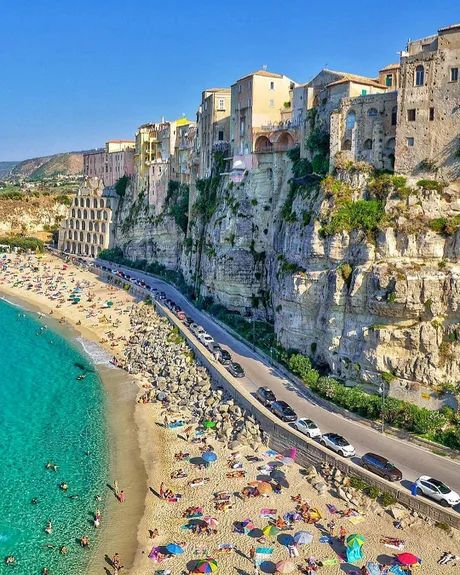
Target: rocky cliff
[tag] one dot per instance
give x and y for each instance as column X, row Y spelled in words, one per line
column 358, row 271
column 31, row 215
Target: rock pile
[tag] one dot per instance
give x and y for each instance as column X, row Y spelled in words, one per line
column 157, row 352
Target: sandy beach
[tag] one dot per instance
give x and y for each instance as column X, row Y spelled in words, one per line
column 204, row 521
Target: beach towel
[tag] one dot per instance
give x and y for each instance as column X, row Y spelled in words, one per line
column 175, row 424
column 396, row 570
column 266, row 512
column 262, row 554
column 224, row 546
column 330, row 562
column 331, row 508
column 399, row 547
column 355, row 520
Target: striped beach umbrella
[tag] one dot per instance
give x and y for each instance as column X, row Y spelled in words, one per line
column 205, row 566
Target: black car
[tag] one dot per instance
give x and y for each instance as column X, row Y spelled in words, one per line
column 284, row 411
column 265, row 396
column 224, row 357
column 235, row 369
column 381, row 466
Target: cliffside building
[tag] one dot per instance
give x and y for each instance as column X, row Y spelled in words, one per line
column 110, row 163
column 258, row 102
column 213, row 127
column 87, row 229
column 428, row 132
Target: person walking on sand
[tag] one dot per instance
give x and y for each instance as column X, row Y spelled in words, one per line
column 187, row 432
column 342, row 534
column 122, row 496
column 331, row 527
column 162, row 490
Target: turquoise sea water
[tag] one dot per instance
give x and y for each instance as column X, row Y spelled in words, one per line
column 47, row 415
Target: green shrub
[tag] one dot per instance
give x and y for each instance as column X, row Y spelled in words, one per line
column 176, row 203
column 445, row 226
column 358, row 483
column 365, row 215
column 23, row 243
column 387, row 499
column 372, row 492
column 121, row 184
column 429, row 185
column 301, row 365
column 64, row 199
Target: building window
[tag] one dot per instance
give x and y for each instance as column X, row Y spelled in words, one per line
column 221, row 105
column 419, row 75
column 346, row 145
column 368, row 144
column 394, row 115
column 272, row 85
column 271, row 103
column 351, row 120
column 411, row 115
column 363, row 92
column 431, row 114
column 410, row 142
column 220, row 135
column 454, row 74
column 389, row 80
column 372, row 112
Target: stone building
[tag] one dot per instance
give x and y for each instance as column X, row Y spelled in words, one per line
column 147, row 153
column 213, row 126
column 428, row 132
column 258, row 101
column 87, row 229
column 110, row 163
column 389, row 76
column 364, row 129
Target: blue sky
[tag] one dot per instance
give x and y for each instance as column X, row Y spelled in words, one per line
column 74, row 74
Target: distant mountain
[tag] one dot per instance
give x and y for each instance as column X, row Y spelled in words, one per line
column 6, row 168
column 69, row 163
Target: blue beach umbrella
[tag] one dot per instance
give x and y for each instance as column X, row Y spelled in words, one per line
column 209, row 456
column 174, row 548
column 303, row 537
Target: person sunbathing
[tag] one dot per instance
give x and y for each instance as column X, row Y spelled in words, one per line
column 280, row 523
column 297, row 498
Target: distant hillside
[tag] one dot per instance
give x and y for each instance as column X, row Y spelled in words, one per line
column 69, row 163
column 6, row 168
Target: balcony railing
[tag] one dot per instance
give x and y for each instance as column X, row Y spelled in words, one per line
column 278, row 126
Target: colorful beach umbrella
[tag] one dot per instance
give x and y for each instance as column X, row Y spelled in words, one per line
column 303, row 538
column 355, row 539
column 209, row 456
column 408, row 559
column 248, row 526
column 270, row 531
column 285, row 567
column 205, row 566
column 174, row 549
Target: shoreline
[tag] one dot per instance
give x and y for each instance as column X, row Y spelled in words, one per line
column 119, row 526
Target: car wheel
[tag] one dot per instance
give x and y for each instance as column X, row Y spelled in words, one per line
column 342, row 453
column 419, row 491
column 323, row 443
column 444, row 503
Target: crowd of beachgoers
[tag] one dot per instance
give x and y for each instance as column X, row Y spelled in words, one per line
column 218, row 499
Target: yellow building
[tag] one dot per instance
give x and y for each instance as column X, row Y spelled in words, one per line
column 258, row 100
column 148, row 149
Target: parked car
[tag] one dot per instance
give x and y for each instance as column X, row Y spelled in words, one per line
column 224, row 357
column 180, row 314
column 235, row 369
column 381, row 466
column 307, row 427
column 188, row 321
column 284, row 411
column 338, row 444
column 206, row 339
column 265, row 396
column 437, row 490
column 193, row 327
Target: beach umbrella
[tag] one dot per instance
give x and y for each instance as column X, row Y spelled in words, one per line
column 205, row 566
column 209, row 456
column 356, row 539
column 303, row 538
column 287, row 461
column 263, row 487
column 285, row 567
column 174, row 549
column 208, row 424
column 373, row 568
column 408, row 559
column 211, row 521
column 270, row 531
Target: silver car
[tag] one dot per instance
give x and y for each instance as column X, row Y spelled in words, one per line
column 437, row 490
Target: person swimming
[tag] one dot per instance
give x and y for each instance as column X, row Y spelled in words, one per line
column 63, row 486
column 49, row 527
column 34, row 501
column 51, row 465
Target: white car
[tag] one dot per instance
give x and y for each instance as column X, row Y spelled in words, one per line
column 205, row 339
column 338, row 444
column 307, row 427
column 437, row 490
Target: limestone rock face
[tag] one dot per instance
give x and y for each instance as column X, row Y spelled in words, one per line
column 360, row 305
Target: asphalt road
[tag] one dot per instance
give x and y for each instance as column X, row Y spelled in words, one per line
column 411, row 459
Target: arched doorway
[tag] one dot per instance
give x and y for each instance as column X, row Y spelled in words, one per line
column 263, row 144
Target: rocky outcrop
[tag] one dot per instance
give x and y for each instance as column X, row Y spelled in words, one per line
column 375, row 308
column 30, row 215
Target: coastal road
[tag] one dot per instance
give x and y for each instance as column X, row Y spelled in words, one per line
column 410, row 458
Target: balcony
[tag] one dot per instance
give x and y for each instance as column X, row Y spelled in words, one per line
column 279, row 126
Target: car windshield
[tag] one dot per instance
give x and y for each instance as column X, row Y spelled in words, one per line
column 339, row 441
column 441, row 486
